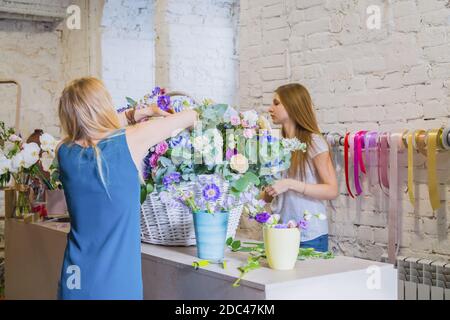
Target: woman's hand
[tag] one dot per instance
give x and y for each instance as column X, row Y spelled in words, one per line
column 279, row 187
column 151, row 110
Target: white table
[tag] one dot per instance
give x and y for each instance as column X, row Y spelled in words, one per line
column 34, row 255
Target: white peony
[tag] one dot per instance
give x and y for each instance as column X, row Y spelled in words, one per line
column 48, row 142
column 239, row 163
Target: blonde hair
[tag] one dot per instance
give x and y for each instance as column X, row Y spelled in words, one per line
column 298, row 104
column 86, row 112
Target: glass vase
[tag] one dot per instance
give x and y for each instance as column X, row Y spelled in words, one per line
column 23, row 205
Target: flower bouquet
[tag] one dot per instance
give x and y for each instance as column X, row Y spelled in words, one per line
column 238, row 147
column 21, row 162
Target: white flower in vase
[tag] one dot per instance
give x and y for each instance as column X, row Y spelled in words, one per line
column 5, row 164
column 17, row 162
column 48, row 142
column 30, row 153
column 46, row 160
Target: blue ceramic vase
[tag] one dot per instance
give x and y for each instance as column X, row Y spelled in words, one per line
column 210, row 233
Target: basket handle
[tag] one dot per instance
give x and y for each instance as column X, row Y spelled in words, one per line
column 181, row 94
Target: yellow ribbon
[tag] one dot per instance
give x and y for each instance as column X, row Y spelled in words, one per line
column 411, row 169
column 432, row 146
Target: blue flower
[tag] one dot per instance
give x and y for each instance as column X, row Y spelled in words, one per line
column 211, row 192
column 156, row 91
column 173, row 177
column 262, row 217
column 164, row 102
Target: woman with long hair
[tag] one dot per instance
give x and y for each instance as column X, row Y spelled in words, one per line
column 311, row 178
column 100, row 163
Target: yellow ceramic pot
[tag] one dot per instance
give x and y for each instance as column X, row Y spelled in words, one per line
column 282, row 247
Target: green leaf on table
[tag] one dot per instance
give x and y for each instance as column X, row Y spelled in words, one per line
column 224, row 264
column 235, row 245
column 200, row 264
column 229, row 241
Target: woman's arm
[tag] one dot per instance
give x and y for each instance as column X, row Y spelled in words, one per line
column 141, row 114
column 143, row 136
column 326, row 190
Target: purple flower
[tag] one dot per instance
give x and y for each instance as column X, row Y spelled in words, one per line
column 262, row 217
column 162, row 148
column 230, row 153
column 303, row 224
column 211, row 192
column 173, row 177
column 164, row 102
column 281, row 226
column 156, row 91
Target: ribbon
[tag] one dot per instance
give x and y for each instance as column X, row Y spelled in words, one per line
column 383, row 150
column 434, row 141
column 396, row 144
column 410, row 138
column 420, row 141
column 446, row 138
column 358, row 160
column 346, row 149
column 41, row 209
column 370, row 143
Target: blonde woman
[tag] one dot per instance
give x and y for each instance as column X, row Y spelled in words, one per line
column 311, row 178
column 99, row 168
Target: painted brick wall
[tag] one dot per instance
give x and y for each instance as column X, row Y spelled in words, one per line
column 128, row 48
column 196, row 48
column 394, row 78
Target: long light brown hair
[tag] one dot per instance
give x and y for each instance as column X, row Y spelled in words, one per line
column 87, row 113
column 298, row 104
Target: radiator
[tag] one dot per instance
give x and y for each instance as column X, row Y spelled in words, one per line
column 421, row 279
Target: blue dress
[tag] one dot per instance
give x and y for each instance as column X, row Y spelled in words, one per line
column 102, row 259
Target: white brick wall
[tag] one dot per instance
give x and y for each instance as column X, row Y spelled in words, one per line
column 196, row 47
column 393, row 78
column 128, row 41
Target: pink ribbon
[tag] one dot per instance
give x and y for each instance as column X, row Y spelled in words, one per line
column 371, row 139
column 358, row 160
column 383, row 161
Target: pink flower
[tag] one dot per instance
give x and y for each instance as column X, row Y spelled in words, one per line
column 154, row 160
column 249, row 133
column 235, row 120
column 162, row 148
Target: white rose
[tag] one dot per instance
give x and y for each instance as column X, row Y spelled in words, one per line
column 239, row 163
column 200, row 143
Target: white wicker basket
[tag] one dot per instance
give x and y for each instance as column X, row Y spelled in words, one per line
column 173, row 225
